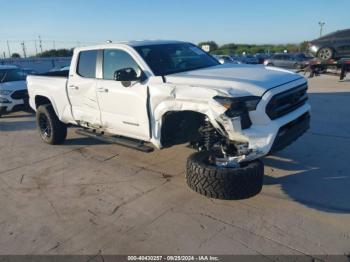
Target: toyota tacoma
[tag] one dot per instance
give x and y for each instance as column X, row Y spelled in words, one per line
column 155, row 94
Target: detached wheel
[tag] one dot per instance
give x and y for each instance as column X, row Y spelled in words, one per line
column 51, row 129
column 224, row 183
column 325, row 53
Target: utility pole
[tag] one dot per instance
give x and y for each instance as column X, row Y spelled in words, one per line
column 36, row 48
column 54, row 45
column 24, row 50
column 40, row 44
column 8, row 48
column 321, row 24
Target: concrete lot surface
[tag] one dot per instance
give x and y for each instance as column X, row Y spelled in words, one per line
column 86, row 197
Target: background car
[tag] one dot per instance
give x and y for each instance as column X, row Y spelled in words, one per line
column 248, row 59
column 262, row 57
column 333, row 45
column 225, row 59
column 66, row 68
column 292, row 61
column 236, row 59
column 30, row 71
column 13, row 89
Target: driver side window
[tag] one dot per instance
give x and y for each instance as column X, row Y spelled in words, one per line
column 114, row 60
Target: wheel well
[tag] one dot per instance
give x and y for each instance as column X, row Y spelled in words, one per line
column 41, row 100
column 180, row 127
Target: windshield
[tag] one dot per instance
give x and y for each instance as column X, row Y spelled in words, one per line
column 167, row 59
column 10, row 75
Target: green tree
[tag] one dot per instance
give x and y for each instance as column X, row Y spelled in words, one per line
column 15, row 55
column 56, row 53
column 304, row 46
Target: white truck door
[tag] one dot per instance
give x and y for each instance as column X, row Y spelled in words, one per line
column 82, row 89
column 123, row 108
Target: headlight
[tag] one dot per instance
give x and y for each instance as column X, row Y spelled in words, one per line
column 236, row 106
column 5, row 92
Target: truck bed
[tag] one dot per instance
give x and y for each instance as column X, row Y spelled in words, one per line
column 53, row 86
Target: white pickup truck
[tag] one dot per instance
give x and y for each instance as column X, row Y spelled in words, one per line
column 156, row 94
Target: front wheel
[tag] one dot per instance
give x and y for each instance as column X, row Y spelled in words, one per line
column 51, row 129
column 222, row 182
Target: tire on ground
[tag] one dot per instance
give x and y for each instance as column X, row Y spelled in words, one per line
column 224, row 183
column 58, row 129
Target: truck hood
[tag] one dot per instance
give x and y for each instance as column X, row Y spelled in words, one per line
column 235, row 79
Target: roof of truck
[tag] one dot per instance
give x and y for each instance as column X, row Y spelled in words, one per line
column 133, row 43
column 150, row 42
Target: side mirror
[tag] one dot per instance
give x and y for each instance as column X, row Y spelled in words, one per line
column 126, row 75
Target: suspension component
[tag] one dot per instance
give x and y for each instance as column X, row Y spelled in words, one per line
column 209, row 136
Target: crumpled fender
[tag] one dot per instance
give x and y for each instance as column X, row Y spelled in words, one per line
column 166, row 97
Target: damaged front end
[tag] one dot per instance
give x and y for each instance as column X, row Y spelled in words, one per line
column 228, row 146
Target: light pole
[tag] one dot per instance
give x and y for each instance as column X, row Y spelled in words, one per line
column 24, row 49
column 321, row 24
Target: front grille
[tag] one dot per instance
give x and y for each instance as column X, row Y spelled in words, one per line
column 286, row 102
column 20, row 94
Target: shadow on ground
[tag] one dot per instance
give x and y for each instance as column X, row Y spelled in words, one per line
column 17, row 125
column 318, row 163
column 313, row 187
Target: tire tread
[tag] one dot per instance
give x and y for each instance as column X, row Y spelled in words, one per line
column 224, row 183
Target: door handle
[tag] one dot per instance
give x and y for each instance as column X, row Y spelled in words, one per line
column 102, row 89
column 74, row 87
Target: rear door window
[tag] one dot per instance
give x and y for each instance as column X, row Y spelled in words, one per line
column 87, row 63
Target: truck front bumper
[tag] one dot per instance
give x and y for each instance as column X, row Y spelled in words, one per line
column 267, row 135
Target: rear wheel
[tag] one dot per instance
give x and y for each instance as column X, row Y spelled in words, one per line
column 51, row 129
column 325, row 53
column 222, row 182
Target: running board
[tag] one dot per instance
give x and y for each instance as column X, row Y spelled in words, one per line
column 130, row 143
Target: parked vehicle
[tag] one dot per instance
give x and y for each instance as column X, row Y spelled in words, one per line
column 225, row 59
column 236, row 59
column 13, row 89
column 262, row 57
column 333, row 45
column 291, row 61
column 29, row 71
column 156, row 94
column 66, row 68
column 248, row 59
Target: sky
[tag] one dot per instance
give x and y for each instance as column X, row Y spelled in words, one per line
column 68, row 23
